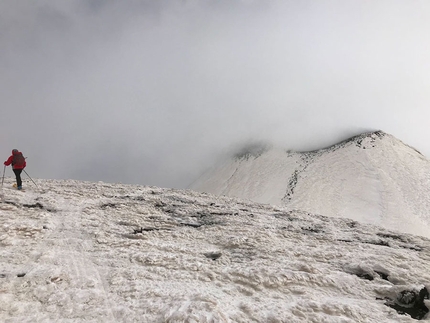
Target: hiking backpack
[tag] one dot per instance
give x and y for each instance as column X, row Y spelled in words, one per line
column 18, row 160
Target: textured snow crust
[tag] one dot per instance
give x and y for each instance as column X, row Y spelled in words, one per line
column 97, row 252
column 372, row 178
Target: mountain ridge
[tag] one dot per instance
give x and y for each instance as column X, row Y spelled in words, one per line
column 373, row 177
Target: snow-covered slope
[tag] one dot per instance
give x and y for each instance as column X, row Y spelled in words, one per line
column 96, row 252
column 373, row 177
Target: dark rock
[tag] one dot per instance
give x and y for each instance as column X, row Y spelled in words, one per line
column 384, row 276
column 35, row 206
column 366, row 276
column 193, row 225
column 411, row 303
column 213, row 255
column 141, row 230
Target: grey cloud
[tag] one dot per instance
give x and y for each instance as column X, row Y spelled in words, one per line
column 156, row 90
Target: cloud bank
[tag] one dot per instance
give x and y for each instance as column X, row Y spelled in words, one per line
column 152, row 92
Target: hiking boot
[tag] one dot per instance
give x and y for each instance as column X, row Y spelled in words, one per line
column 20, row 187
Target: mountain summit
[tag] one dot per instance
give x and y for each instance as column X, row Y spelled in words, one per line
column 373, row 178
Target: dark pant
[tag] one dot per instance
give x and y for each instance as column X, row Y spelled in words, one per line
column 18, row 177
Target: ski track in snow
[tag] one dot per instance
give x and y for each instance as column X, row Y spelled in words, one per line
column 99, row 252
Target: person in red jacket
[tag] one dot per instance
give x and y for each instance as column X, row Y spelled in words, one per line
column 18, row 164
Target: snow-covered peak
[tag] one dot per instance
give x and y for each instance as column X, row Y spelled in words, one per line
column 96, row 252
column 372, row 177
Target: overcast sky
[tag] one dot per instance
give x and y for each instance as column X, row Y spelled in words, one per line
column 152, row 92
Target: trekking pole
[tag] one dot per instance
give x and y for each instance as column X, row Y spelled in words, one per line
column 30, row 178
column 2, row 180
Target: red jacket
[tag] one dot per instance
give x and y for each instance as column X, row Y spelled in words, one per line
column 17, row 160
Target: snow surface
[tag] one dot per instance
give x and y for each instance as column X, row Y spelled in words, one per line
column 96, row 252
column 373, row 178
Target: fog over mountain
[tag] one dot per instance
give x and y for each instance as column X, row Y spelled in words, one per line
column 151, row 92
column 373, row 178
